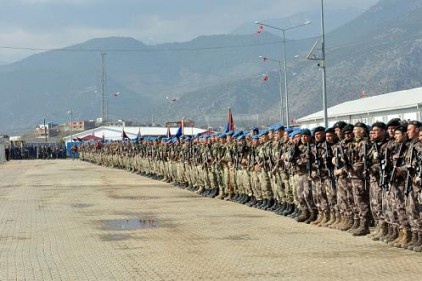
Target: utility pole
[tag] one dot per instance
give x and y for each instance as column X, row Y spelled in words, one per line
column 45, row 131
column 103, row 99
column 320, row 56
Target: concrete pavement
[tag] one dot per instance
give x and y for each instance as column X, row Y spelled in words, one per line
column 71, row 220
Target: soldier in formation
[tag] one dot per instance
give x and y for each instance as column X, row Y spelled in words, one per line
column 357, row 178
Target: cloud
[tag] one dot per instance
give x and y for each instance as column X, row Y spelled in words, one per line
column 59, row 23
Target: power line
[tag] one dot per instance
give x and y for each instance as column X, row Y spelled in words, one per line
column 150, row 50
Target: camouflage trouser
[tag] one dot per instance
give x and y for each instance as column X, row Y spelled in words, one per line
column 173, row 171
column 375, row 200
column 293, row 186
column 255, row 185
column 360, row 197
column 395, row 204
column 304, row 192
column 319, row 187
column 245, row 178
column 240, row 189
column 232, row 187
column 277, row 186
column 414, row 209
column 226, row 180
column 331, row 193
column 286, row 187
column 265, row 185
column 344, row 196
column 219, row 177
column 212, row 177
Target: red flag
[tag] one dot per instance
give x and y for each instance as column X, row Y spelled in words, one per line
column 265, row 77
column 230, row 122
column 260, row 29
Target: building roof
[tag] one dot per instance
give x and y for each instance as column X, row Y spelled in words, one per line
column 115, row 133
column 386, row 102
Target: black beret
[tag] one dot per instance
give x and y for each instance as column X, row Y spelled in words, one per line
column 402, row 129
column 393, row 122
column 339, row 124
column 380, row 125
column 415, row 123
column 348, row 127
column 318, row 129
column 329, row 130
column 361, row 125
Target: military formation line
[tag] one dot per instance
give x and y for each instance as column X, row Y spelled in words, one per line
column 347, row 177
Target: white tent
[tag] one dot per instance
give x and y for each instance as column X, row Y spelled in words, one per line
column 115, row 133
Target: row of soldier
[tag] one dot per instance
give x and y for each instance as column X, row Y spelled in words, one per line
column 347, row 177
column 37, row 151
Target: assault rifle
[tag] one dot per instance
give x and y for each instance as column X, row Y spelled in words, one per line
column 396, row 163
column 419, row 165
column 383, row 174
column 328, row 164
column 408, row 183
column 345, row 160
column 365, row 165
column 309, row 163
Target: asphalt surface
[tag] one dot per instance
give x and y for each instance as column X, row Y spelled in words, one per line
column 71, row 220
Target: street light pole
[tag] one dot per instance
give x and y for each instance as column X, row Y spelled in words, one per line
column 71, row 125
column 283, row 37
column 324, row 86
column 283, row 32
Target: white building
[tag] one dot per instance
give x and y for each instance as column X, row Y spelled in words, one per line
column 115, row 133
column 406, row 105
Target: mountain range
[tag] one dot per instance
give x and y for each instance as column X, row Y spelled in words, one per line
column 376, row 52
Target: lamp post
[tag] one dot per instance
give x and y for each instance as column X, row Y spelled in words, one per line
column 71, row 125
column 321, row 65
column 324, row 88
column 283, row 36
column 280, row 84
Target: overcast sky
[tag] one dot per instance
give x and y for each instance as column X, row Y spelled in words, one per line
column 60, row 23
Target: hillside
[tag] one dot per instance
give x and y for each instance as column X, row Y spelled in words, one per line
column 378, row 51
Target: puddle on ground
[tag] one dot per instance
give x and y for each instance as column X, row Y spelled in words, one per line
column 131, row 224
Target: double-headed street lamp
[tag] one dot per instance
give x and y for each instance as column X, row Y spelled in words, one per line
column 283, row 36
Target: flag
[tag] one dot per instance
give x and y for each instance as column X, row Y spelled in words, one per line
column 260, row 29
column 168, row 132
column 179, row 132
column 362, row 95
column 124, row 135
column 265, row 77
column 230, row 122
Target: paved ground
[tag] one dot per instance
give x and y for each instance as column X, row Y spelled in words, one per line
column 70, row 220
